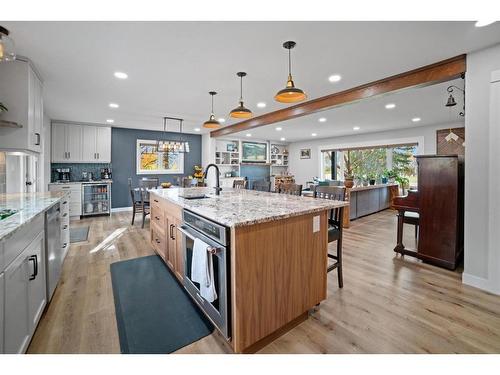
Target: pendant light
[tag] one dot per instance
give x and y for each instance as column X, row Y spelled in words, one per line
column 290, row 94
column 7, row 47
column 241, row 111
column 212, row 123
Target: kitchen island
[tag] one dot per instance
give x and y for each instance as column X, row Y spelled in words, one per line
column 277, row 257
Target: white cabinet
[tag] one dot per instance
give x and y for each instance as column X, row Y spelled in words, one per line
column 81, row 143
column 2, row 293
column 21, row 92
column 25, row 296
column 74, row 195
column 66, row 143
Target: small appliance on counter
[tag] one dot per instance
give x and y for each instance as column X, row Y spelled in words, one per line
column 63, row 174
column 105, row 173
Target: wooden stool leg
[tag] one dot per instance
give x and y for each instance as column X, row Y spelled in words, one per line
column 416, row 231
column 399, row 246
column 133, row 213
column 339, row 261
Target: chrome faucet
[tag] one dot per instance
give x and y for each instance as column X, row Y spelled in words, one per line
column 217, row 181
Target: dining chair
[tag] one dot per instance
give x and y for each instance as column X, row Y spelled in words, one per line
column 334, row 225
column 261, row 185
column 145, row 184
column 240, row 184
column 136, row 200
column 290, row 189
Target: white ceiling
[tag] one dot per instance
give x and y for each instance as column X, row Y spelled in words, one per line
column 370, row 115
column 172, row 65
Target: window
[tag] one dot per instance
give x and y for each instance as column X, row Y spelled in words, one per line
column 149, row 161
column 328, row 168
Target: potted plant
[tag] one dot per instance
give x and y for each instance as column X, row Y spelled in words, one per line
column 391, row 175
column 371, row 178
column 348, row 170
column 404, row 182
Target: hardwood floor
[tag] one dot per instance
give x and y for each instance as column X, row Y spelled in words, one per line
column 388, row 304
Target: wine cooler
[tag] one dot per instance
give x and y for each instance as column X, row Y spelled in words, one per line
column 96, row 199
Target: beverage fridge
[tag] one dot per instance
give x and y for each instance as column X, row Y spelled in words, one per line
column 96, row 199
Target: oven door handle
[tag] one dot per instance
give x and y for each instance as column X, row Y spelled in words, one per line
column 210, row 249
column 187, row 234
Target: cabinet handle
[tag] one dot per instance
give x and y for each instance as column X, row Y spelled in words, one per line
column 64, row 246
column 65, row 226
column 37, row 143
column 65, row 214
column 172, row 227
column 98, row 156
column 158, row 241
column 34, row 259
column 157, row 218
column 69, row 154
column 155, row 200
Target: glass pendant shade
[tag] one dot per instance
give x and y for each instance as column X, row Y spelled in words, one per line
column 167, row 146
column 7, row 47
column 241, row 111
column 212, row 123
column 290, row 94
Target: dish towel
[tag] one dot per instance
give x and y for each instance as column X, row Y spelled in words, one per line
column 202, row 270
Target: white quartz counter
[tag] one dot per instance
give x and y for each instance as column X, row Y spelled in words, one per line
column 28, row 205
column 238, row 207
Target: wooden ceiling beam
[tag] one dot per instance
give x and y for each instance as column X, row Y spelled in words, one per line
column 442, row 71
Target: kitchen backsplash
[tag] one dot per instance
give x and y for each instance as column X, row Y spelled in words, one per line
column 78, row 168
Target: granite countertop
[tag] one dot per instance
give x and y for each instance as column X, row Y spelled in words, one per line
column 239, row 207
column 81, row 182
column 28, row 205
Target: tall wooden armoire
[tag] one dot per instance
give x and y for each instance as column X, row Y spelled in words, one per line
column 441, row 209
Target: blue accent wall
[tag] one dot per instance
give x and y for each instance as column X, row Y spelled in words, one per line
column 123, row 158
column 254, row 173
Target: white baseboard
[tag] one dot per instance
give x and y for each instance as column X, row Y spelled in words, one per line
column 480, row 282
column 121, row 209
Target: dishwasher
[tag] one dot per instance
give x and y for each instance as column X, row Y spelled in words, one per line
column 54, row 253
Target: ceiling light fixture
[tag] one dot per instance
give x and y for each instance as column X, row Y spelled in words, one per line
column 390, row 106
column 241, row 111
column 248, row 135
column 278, row 128
column 290, row 94
column 416, row 119
column 322, row 119
column 221, row 120
column 7, row 46
column 110, row 121
column 197, row 129
column 212, row 123
column 356, row 128
column 113, row 105
column 261, row 105
column 314, row 134
column 166, row 145
column 282, row 139
column 335, row 78
column 121, row 75
column 483, row 23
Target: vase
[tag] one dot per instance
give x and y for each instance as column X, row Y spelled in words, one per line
column 349, row 182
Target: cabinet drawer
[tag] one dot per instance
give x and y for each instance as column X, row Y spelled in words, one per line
column 158, row 218
column 158, row 241
column 75, row 209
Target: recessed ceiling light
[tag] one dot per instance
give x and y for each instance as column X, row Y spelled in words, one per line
column 110, row 120
column 416, row 119
column 390, row 106
column 314, row 134
column 197, row 129
column 261, row 105
column 278, row 128
column 483, row 23
column 221, row 120
column 248, row 135
column 335, row 78
column 356, row 128
column 322, row 119
column 113, row 105
column 282, row 139
column 121, row 75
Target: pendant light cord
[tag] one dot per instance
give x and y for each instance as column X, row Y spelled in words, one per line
column 241, row 88
column 212, row 104
column 289, row 61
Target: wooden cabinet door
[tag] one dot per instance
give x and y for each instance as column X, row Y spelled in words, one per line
column 58, row 143
column 103, row 144
column 17, row 320
column 89, row 136
column 74, row 142
column 179, row 251
column 170, row 241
